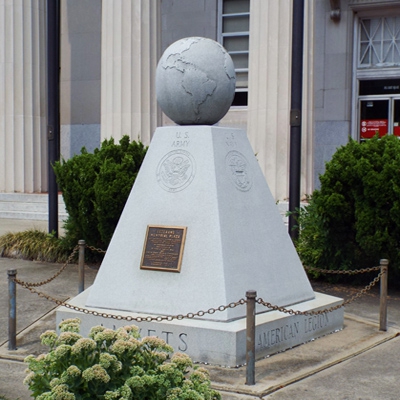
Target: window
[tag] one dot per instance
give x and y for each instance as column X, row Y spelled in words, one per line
column 379, row 42
column 376, row 108
column 233, row 27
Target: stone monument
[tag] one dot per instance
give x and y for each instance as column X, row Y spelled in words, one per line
column 200, row 228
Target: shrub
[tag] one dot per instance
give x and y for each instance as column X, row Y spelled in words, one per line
column 353, row 220
column 95, row 188
column 33, row 245
column 113, row 365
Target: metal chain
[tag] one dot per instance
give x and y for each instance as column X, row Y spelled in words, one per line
column 95, row 249
column 343, row 272
column 200, row 313
column 70, row 258
column 130, row 318
column 327, row 310
column 36, row 284
column 365, row 290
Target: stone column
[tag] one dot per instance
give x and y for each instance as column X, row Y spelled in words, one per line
column 130, row 39
column 269, row 92
column 23, row 152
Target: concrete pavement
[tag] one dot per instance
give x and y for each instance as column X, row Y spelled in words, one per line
column 18, row 225
column 371, row 375
column 359, row 362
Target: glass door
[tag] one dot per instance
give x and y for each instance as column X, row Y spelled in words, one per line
column 396, row 117
column 375, row 117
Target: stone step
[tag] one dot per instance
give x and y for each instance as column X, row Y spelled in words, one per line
column 29, row 215
column 27, row 206
column 32, row 206
column 27, row 197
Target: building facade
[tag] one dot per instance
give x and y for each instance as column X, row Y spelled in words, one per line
column 109, row 53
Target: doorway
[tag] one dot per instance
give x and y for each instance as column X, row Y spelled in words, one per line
column 379, row 108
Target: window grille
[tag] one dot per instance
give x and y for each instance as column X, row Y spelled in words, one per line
column 379, row 42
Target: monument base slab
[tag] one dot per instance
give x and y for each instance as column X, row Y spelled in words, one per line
column 223, row 343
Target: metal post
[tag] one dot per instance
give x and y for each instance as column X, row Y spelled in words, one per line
column 251, row 337
column 12, row 307
column 383, row 297
column 53, row 107
column 81, row 266
column 295, row 116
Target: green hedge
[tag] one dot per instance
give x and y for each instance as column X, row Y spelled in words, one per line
column 95, row 187
column 353, row 220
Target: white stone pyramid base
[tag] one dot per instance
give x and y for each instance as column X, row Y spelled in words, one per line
column 207, row 180
column 223, row 343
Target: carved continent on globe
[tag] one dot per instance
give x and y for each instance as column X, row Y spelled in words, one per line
column 195, row 81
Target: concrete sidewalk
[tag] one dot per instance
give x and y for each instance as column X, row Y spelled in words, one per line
column 18, row 225
column 359, row 362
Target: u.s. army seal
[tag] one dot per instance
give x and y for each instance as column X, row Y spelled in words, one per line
column 176, row 170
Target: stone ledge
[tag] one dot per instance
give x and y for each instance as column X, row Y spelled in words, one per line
column 224, row 343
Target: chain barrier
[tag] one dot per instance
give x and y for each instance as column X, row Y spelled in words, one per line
column 37, row 284
column 249, row 301
column 31, row 286
column 69, row 260
column 129, row 317
column 95, row 249
column 327, row 310
column 343, row 272
column 200, row 313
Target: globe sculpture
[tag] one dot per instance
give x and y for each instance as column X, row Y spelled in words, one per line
column 195, row 81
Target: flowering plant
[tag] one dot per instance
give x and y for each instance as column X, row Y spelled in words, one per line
column 113, row 365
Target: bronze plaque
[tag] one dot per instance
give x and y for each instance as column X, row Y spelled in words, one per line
column 163, row 248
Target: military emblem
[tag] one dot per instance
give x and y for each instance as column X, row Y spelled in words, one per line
column 237, row 169
column 176, row 170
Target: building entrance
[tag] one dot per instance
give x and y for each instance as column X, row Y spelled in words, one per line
column 379, row 108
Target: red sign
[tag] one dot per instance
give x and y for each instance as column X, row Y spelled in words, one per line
column 370, row 127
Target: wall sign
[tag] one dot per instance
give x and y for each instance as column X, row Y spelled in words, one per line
column 370, row 127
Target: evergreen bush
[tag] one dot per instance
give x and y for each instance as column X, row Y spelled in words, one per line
column 95, row 187
column 353, row 220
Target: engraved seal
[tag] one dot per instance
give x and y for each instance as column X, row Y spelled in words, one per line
column 176, row 170
column 238, row 170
